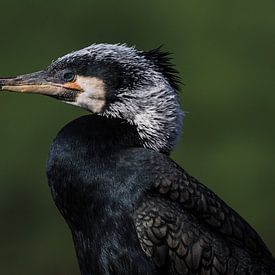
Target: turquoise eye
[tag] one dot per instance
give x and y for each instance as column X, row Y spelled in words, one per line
column 68, row 77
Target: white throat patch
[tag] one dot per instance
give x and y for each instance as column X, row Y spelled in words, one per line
column 93, row 97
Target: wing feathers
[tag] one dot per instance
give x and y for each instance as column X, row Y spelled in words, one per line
column 178, row 186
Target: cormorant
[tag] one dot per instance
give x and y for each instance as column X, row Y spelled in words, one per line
column 130, row 208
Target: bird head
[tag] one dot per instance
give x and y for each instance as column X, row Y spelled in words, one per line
column 114, row 81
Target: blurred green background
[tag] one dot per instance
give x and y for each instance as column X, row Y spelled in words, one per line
column 225, row 52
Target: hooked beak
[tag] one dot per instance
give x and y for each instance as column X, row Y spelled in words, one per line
column 37, row 83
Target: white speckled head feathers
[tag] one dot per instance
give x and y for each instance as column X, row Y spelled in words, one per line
column 140, row 88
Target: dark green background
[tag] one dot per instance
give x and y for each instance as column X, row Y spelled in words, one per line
column 225, row 51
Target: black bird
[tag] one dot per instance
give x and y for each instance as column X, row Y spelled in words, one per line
column 131, row 209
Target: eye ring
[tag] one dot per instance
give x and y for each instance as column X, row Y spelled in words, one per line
column 69, row 76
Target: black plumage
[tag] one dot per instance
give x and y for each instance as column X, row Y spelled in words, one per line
column 134, row 211
column 130, row 208
column 162, row 61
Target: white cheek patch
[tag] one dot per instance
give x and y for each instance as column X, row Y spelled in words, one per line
column 93, row 97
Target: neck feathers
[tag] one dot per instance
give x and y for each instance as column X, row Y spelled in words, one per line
column 156, row 114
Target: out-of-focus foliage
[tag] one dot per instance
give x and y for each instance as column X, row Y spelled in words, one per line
column 225, row 52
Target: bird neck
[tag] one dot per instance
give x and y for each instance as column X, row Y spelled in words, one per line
column 155, row 112
column 84, row 170
column 87, row 148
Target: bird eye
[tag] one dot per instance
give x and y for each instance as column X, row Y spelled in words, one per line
column 69, row 77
